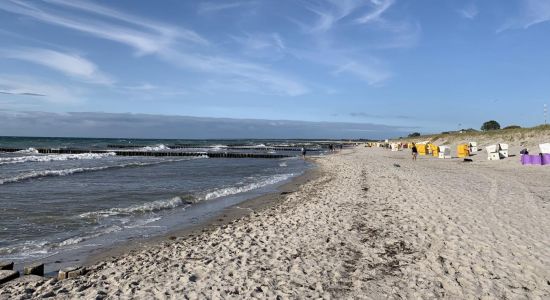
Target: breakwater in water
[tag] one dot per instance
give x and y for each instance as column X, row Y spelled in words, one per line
column 149, row 153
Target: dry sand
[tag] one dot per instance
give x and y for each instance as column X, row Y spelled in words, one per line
column 374, row 225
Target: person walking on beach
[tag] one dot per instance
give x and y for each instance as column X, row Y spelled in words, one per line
column 303, row 152
column 414, row 151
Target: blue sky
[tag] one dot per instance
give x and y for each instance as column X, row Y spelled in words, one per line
column 408, row 65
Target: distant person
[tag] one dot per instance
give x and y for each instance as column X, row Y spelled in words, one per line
column 414, row 151
column 330, row 148
column 303, row 152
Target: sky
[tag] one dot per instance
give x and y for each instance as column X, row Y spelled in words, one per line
column 369, row 68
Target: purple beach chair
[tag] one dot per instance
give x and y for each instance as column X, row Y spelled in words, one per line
column 536, row 159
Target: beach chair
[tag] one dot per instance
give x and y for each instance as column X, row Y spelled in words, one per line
column 444, row 152
column 492, row 152
column 463, row 150
column 394, row 147
column 544, row 148
column 503, row 150
column 435, row 150
column 473, row 147
column 421, row 149
column 430, row 148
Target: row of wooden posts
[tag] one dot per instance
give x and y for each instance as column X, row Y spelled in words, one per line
column 153, row 153
column 277, row 148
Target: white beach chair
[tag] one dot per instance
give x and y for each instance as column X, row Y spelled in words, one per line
column 473, row 147
column 394, row 147
column 544, row 148
column 444, row 152
column 503, row 150
column 492, row 152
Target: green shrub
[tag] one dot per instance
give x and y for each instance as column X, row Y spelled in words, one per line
column 490, row 125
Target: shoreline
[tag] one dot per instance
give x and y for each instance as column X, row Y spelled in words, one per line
column 221, row 218
column 371, row 224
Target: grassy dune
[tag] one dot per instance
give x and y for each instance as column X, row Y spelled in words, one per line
column 519, row 137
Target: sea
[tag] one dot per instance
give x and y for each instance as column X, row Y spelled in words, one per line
column 59, row 208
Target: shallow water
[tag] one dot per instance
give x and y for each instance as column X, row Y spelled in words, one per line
column 55, row 203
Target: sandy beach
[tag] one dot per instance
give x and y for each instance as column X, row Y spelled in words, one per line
column 372, row 225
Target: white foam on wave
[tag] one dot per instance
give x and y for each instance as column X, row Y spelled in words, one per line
column 138, row 208
column 80, row 239
column 71, row 241
column 27, row 248
column 28, row 151
column 65, row 172
column 47, row 173
column 249, row 187
column 218, row 147
column 53, row 157
column 142, row 223
column 159, row 147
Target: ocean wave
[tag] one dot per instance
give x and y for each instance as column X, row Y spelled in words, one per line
column 249, row 187
column 65, row 172
column 28, row 248
column 80, row 239
column 53, row 157
column 217, row 147
column 141, row 208
column 159, row 147
column 71, row 241
column 28, row 151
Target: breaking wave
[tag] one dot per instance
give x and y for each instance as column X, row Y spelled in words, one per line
column 65, row 172
column 53, row 157
column 159, row 147
column 142, row 208
column 241, row 189
column 28, row 151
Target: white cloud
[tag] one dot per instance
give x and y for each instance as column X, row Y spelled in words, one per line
column 532, row 12
column 270, row 46
column 70, row 64
column 330, row 12
column 90, row 124
column 399, row 34
column 262, row 77
column 166, row 30
column 209, row 7
column 329, row 50
column 147, row 37
column 39, row 90
column 142, row 87
column 378, row 8
column 364, row 67
column 469, row 12
column 149, row 91
column 372, row 74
